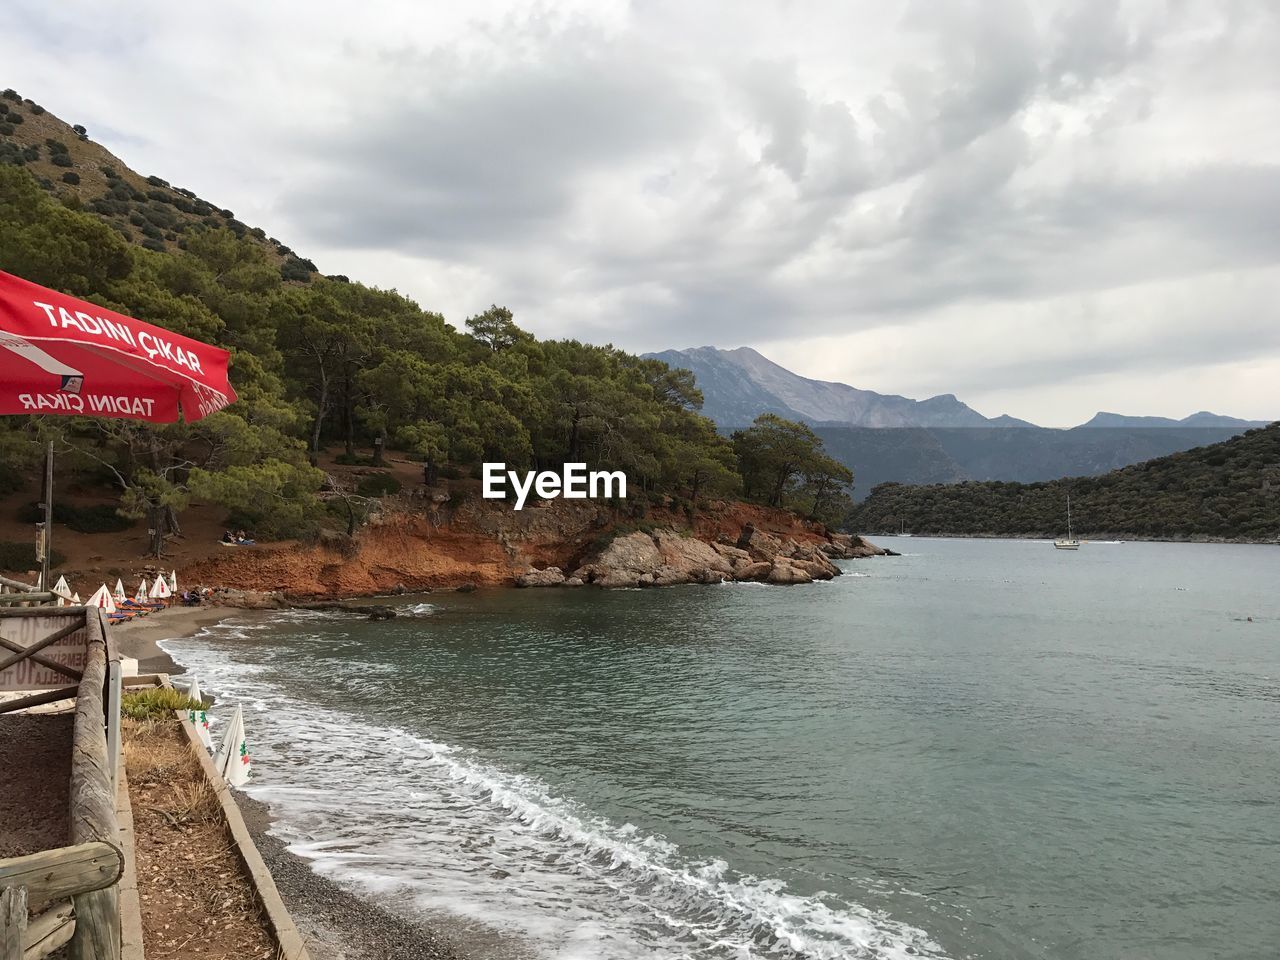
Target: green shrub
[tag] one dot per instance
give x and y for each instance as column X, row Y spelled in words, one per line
column 294, row 269
column 61, row 160
column 97, row 518
column 71, row 178
column 15, row 118
column 20, row 557
column 81, row 132
column 31, row 152
column 55, row 146
column 11, row 94
column 137, row 219
column 378, row 485
column 157, row 182
column 151, row 243
column 109, row 172
column 156, row 703
column 353, row 460
column 6, row 129
column 37, row 109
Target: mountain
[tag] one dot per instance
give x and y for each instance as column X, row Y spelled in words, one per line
column 885, row 438
column 1227, row 490
column 85, row 175
column 1202, row 419
column 738, row 385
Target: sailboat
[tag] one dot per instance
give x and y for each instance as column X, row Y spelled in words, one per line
column 1071, row 543
column 902, row 532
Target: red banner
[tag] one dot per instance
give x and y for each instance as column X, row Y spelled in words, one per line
column 66, row 356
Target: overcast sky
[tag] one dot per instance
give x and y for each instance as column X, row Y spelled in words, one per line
column 1046, row 208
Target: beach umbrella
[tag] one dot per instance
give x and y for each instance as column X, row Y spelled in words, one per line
column 198, row 716
column 75, row 599
column 233, row 760
column 63, row 590
column 173, row 581
column 102, row 598
column 141, row 595
column 160, row 588
column 73, row 358
column 119, row 593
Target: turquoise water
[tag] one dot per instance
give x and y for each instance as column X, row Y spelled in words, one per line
column 978, row 749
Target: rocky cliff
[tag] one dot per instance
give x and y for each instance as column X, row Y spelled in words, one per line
column 553, row 543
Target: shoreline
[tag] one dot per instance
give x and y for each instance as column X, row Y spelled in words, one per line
column 1099, row 538
column 140, row 638
column 336, row 923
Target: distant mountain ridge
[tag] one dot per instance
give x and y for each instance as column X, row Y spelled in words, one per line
column 886, row 438
column 738, row 385
column 1202, row 419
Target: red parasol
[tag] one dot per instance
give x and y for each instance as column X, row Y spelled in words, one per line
column 66, row 356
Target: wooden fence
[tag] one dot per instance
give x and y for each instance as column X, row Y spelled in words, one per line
column 75, row 885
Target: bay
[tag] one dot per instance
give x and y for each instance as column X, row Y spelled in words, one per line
column 978, row 749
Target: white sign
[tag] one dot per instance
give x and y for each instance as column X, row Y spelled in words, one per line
column 29, row 675
column 573, row 483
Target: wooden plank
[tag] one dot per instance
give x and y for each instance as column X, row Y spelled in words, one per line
column 18, row 585
column 49, row 931
column 130, row 902
column 46, row 611
column 38, row 699
column 28, row 597
column 93, row 808
column 40, row 645
column 13, row 921
column 59, row 873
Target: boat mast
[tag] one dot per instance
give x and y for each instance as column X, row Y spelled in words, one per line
column 1069, row 536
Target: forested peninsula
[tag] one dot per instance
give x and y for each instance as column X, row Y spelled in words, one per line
column 1225, row 491
column 337, row 379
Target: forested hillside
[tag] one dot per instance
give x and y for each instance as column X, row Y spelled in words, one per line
column 321, row 361
column 1230, row 490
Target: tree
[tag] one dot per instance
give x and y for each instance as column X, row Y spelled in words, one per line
column 778, row 458
column 496, row 328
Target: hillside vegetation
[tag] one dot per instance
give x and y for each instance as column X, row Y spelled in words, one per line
column 1230, row 490
column 320, row 361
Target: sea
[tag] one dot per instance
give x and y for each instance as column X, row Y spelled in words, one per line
column 977, row 749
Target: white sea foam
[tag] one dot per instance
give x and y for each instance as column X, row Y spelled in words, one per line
column 424, row 822
column 420, row 609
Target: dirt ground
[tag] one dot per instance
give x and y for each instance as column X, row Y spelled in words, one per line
column 35, row 781
column 197, row 904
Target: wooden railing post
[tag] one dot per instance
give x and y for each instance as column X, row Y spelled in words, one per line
column 13, row 921
column 93, row 810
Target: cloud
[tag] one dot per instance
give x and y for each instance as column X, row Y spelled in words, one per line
column 988, row 181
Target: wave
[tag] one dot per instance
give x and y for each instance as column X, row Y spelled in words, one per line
column 441, row 828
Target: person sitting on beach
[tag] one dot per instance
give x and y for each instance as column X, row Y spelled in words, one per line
column 228, row 537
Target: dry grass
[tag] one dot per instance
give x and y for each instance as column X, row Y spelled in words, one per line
column 197, row 903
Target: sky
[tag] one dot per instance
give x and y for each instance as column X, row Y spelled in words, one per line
column 1046, row 208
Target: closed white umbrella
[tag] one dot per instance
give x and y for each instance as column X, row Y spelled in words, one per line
column 141, row 595
column 160, row 589
column 198, row 716
column 102, row 598
column 119, row 593
column 233, row 760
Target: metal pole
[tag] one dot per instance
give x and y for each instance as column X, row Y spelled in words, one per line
column 48, row 515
